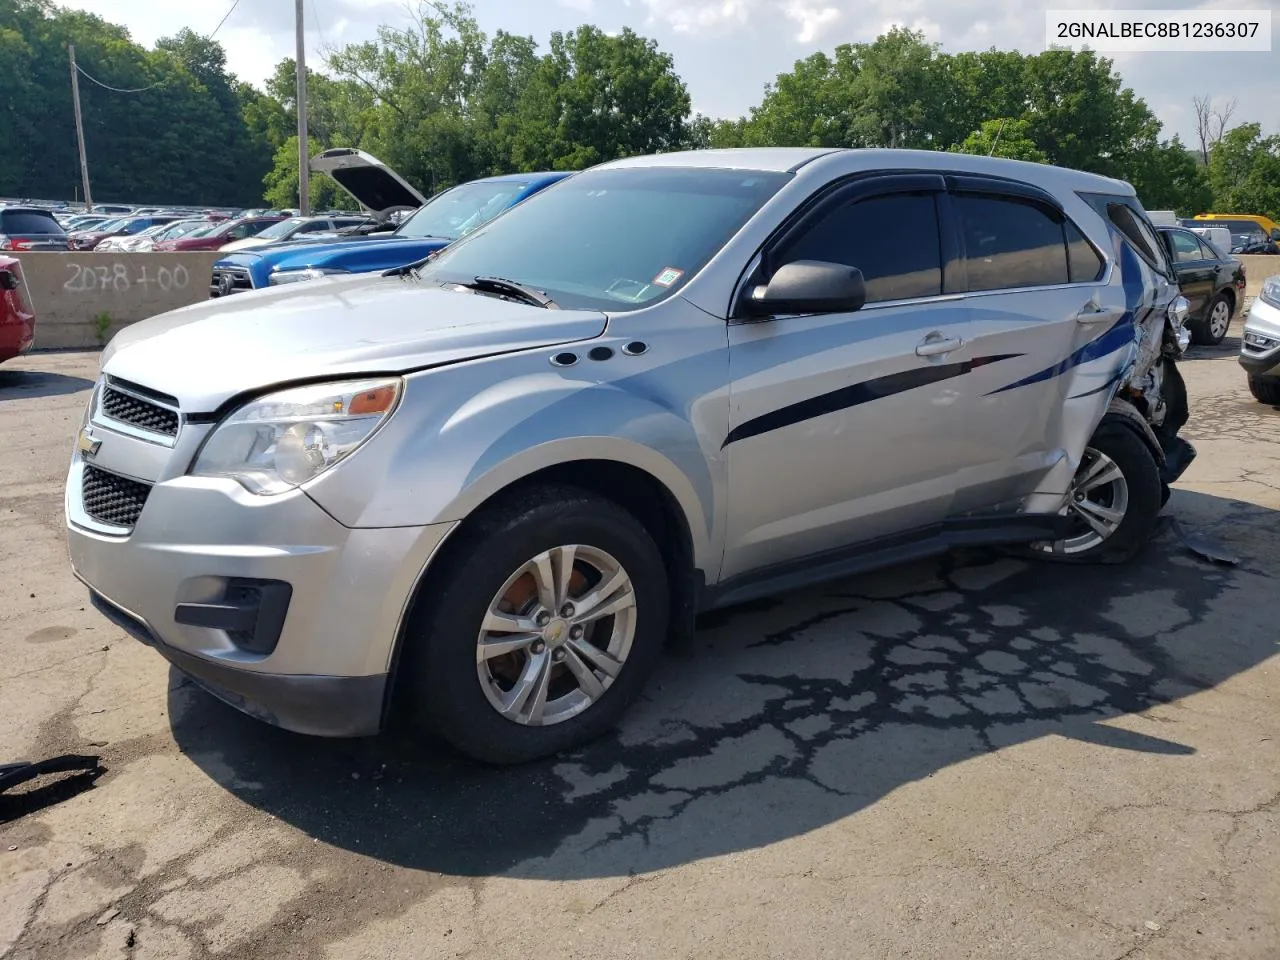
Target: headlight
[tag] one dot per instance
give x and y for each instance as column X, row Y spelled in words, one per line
column 1270, row 292
column 278, row 442
column 1178, row 310
column 293, row 276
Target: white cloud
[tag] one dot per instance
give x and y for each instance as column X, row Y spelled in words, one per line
column 582, row 6
column 684, row 16
column 814, row 20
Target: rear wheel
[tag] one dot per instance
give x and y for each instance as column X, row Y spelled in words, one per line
column 1114, row 502
column 1212, row 330
column 543, row 631
column 1265, row 390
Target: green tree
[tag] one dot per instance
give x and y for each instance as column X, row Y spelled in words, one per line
column 1003, row 138
column 1167, row 177
column 594, row 97
column 281, row 181
column 178, row 136
column 1244, row 169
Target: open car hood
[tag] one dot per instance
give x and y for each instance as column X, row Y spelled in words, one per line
column 370, row 181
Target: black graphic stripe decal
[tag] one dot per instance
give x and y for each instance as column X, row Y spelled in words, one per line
column 857, row 394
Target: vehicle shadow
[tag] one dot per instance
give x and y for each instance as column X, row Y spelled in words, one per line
column 792, row 714
column 24, row 384
column 1229, row 347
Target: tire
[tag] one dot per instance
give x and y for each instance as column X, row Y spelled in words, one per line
column 1142, row 499
column 455, row 693
column 1265, row 390
column 1212, row 330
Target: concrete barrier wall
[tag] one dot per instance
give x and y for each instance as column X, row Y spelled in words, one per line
column 81, row 299
column 1257, row 269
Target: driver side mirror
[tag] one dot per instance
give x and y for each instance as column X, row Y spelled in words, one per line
column 1275, row 234
column 7, row 280
column 809, row 286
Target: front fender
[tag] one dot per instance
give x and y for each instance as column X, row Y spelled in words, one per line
column 465, row 432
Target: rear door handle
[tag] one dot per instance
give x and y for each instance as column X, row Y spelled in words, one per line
column 1092, row 313
column 933, row 345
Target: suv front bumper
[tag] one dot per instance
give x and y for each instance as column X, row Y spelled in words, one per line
column 1260, row 344
column 317, row 657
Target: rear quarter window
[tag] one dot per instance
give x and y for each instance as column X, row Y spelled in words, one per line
column 1127, row 216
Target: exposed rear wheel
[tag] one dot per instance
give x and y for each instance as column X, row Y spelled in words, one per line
column 544, row 631
column 1114, row 501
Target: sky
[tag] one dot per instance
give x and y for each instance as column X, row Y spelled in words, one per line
column 727, row 50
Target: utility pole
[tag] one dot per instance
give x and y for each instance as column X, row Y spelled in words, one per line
column 304, row 157
column 75, row 98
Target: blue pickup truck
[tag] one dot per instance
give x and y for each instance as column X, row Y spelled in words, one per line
column 437, row 223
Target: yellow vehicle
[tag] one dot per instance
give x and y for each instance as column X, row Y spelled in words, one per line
column 1246, row 228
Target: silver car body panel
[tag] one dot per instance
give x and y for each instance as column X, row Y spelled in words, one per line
column 1263, row 320
column 778, row 440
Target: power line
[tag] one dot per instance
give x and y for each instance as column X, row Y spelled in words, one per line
column 106, row 86
column 234, row 4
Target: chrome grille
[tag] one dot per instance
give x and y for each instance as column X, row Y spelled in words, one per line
column 138, row 412
column 112, row 499
column 228, row 280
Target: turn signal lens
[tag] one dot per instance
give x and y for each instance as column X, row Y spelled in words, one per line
column 378, row 400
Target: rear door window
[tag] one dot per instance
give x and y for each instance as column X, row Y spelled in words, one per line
column 893, row 239
column 1010, row 242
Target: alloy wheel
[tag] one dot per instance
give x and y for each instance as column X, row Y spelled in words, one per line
column 1097, row 502
column 557, row 635
column 1219, row 320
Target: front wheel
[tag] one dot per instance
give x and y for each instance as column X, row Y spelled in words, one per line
column 551, row 617
column 1265, row 390
column 1114, row 502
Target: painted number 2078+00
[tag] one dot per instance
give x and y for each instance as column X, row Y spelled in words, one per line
column 117, row 277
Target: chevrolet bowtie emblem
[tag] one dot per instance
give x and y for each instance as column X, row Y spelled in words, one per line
column 88, row 443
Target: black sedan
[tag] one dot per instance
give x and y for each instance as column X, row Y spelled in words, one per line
column 1212, row 282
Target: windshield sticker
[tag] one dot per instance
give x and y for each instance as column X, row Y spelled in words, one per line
column 668, row 276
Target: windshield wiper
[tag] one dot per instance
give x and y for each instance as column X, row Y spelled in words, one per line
column 512, row 288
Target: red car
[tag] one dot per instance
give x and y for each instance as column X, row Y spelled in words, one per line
column 17, row 322
column 218, row 234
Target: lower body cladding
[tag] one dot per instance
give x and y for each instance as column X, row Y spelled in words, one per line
column 267, row 602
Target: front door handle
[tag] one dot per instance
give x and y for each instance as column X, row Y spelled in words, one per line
column 935, row 344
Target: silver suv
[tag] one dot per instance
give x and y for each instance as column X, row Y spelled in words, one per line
column 496, row 481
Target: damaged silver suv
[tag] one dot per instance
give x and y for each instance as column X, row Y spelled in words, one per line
column 487, row 487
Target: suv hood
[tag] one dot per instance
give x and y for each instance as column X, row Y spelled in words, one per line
column 370, row 181
column 338, row 327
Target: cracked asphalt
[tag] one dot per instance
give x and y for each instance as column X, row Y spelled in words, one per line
column 978, row 756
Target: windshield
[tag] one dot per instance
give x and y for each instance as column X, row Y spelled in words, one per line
column 457, row 212
column 612, row 239
column 203, row 231
column 281, row 229
column 109, row 226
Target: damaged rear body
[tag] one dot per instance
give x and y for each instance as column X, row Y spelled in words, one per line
column 1124, row 366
